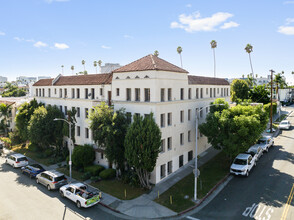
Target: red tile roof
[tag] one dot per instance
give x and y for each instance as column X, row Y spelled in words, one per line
column 203, row 80
column 150, row 62
column 90, row 79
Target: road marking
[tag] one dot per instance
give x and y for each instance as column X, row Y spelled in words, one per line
column 189, row 217
column 252, row 212
column 286, row 209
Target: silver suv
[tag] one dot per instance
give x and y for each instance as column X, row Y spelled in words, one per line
column 51, row 179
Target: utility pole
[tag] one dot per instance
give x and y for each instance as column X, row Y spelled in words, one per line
column 271, row 112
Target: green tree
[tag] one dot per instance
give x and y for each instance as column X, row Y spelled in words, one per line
column 239, row 90
column 250, row 81
column 235, row 129
column 249, row 50
column 13, row 91
column 213, row 45
column 260, row 94
column 95, row 65
column 109, row 130
column 142, row 144
column 156, row 53
column 279, row 80
column 4, row 115
column 83, row 156
column 180, row 50
column 219, row 105
column 23, row 116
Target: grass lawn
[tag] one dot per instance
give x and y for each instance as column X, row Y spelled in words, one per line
column 210, row 174
column 117, row 189
column 75, row 174
column 34, row 155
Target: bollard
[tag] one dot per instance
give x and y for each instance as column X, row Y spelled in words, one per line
column 171, row 200
column 100, row 195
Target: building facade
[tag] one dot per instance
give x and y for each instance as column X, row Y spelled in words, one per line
column 149, row 84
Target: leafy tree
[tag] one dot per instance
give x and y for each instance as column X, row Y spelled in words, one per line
column 142, row 145
column 25, row 111
column 156, row 53
column 43, row 130
column 4, row 115
column 260, row 94
column 250, row 80
column 234, row 130
column 13, row 91
column 109, row 131
column 216, row 107
column 239, row 90
column 71, row 117
column 83, row 156
column 279, row 80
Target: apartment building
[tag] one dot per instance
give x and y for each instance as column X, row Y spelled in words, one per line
column 149, row 84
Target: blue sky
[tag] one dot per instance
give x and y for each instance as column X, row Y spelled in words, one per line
column 38, row 36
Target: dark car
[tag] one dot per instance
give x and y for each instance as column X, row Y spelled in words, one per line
column 1, row 148
column 32, row 170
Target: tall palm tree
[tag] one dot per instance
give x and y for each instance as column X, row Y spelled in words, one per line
column 83, row 63
column 99, row 64
column 95, row 65
column 156, row 53
column 62, row 68
column 213, row 45
column 4, row 113
column 179, row 50
column 280, row 82
column 249, row 49
column 72, row 68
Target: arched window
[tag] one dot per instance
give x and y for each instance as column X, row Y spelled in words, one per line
column 146, row 77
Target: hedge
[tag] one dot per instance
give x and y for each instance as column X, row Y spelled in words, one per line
column 267, row 108
column 107, row 174
column 83, row 156
column 94, row 169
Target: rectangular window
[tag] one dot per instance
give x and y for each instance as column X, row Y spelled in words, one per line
column 210, row 90
column 182, row 138
column 55, row 91
column 137, row 95
column 101, row 91
column 117, row 92
column 60, row 107
column 49, row 92
column 40, row 92
column 182, row 94
column 182, row 116
column 214, row 92
column 181, row 161
column 93, row 93
column 86, row 112
column 162, row 95
column 65, row 110
column 128, row 91
column 189, row 136
column 78, row 131
column 169, row 118
column 201, row 112
column 36, row 92
column 169, row 143
column 189, row 93
column 169, row 94
column 201, row 93
column 162, row 147
column 129, row 117
column 78, row 112
column 189, row 114
column 65, row 93
column 190, row 155
column 102, row 155
column 197, row 93
column 147, row 94
column 86, row 93
column 87, row 132
column 162, row 171
column 222, row 92
column 78, row 93
column 169, row 167
column 72, row 93
column 43, row 92
column 162, row 120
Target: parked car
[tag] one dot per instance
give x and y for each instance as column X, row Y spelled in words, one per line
column 242, row 165
column 257, row 150
column 17, row 160
column 32, row 170
column 1, row 149
column 51, row 179
column 285, row 125
column 266, row 142
column 78, row 193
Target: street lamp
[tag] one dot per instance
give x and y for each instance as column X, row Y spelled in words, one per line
column 69, row 144
column 196, row 149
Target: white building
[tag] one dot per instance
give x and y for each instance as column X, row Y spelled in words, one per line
column 149, row 84
column 24, row 80
column 109, row 67
column 3, row 79
column 43, row 77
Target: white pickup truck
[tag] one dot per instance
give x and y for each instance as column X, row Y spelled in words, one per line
column 77, row 192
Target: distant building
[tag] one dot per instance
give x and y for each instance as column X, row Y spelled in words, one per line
column 24, row 80
column 3, row 79
column 259, row 80
column 109, row 67
column 43, row 77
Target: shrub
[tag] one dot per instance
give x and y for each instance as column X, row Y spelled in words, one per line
column 267, row 108
column 33, row 147
column 48, row 152
column 95, row 178
column 83, row 156
column 107, row 174
column 86, row 176
column 14, row 137
column 6, row 141
column 94, row 169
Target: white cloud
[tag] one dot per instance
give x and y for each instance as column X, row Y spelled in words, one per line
column 289, row 20
column 188, row 5
column 230, row 24
column 288, row 2
column 105, row 47
column 18, row 39
column 194, row 22
column 50, row 1
column 40, row 44
column 61, row 46
column 2, row 33
column 288, row 30
column 128, row 36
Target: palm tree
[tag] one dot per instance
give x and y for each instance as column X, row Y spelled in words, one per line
column 179, row 50
column 280, row 82
column 99, row 64
column 4, row 113
column 213, row 44
column 249, row 49
column 72, row 68
column 62, row 68
column 83, row 63
column 156, row 53
column 95, row 65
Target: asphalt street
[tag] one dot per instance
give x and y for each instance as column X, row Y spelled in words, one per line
column 268, row 191
column 22, row 198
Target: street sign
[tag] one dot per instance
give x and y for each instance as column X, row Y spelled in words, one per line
column 69, row 163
